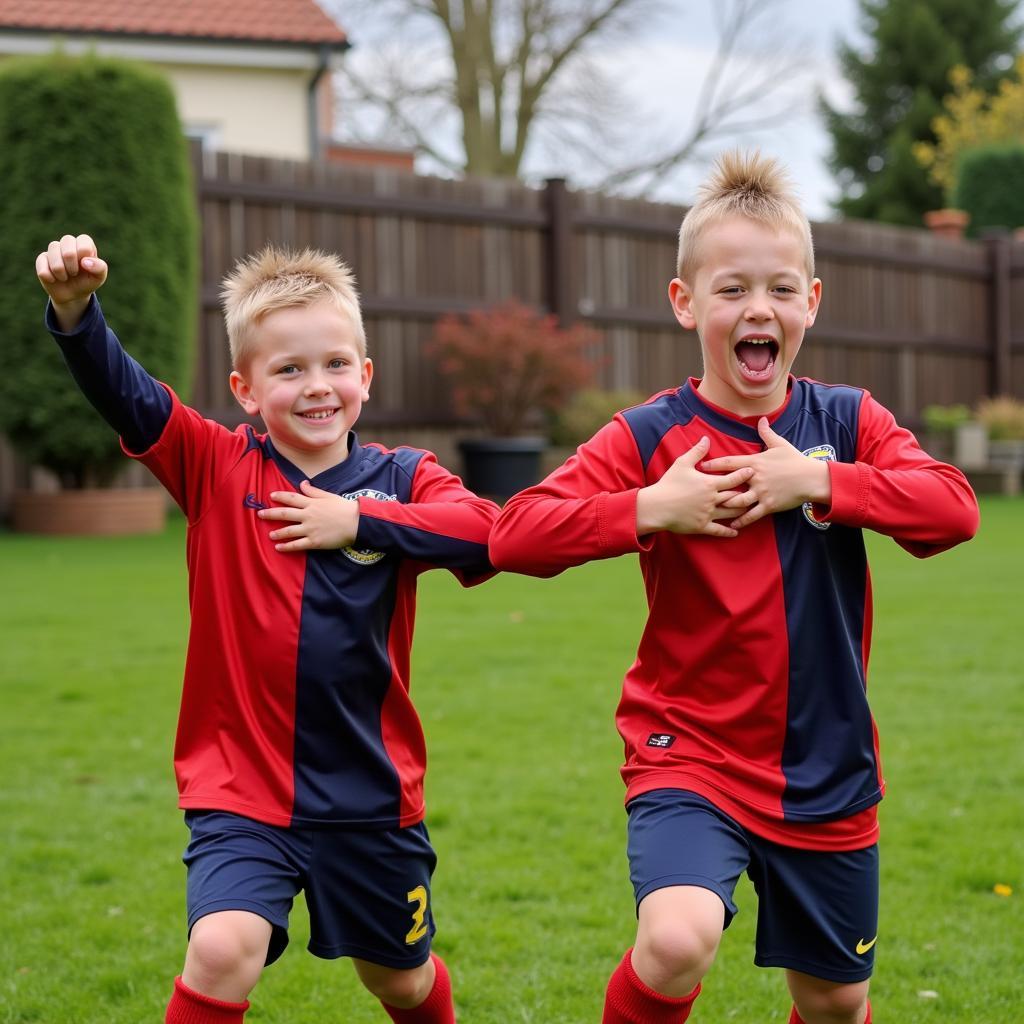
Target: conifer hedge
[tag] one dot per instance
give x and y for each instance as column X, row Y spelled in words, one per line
column 990, row 186
column 91, row 145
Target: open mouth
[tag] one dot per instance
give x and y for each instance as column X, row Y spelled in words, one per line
column 318, row 415
column 756, row 356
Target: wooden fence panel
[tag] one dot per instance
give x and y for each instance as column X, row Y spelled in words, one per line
column 914, row 318
column 420, row 247
column 1016, row 303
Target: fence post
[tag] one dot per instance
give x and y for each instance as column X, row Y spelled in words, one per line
column 559, row 283
column 999, row 254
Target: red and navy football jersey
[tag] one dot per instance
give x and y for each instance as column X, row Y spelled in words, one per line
column 295, row 707
column 749, row 685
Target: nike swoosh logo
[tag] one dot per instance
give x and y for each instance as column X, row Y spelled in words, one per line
column 863, row 947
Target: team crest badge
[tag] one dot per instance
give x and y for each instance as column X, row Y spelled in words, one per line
column 365, row 556
column 826, row 453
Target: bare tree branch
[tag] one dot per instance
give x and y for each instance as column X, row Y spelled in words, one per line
column 393, row 109
column 500, row 78
column 734, row 85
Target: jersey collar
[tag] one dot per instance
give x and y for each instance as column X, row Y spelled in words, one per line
column 331, row 479
column 742, row 427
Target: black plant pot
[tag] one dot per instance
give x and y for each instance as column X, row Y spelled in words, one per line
column 498, row 467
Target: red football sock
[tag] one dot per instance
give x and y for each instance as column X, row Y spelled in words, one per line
column 795, row 1018
column 629, row 1001
column 437, row 1008
column 188, row 1007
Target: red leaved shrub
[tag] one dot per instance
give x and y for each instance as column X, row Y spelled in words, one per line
column 510, row 368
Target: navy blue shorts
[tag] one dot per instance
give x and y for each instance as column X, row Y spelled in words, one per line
column 817, row 910
column 368, row 892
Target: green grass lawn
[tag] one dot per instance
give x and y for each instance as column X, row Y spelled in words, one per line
column 516, row 682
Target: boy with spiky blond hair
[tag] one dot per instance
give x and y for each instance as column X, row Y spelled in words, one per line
column 749, row 742
column 299, row 755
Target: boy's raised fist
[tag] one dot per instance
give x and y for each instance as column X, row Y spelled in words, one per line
column 70, row 271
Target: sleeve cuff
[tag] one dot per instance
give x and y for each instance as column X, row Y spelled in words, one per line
column 616, row 524
column 368, row 526
column 92, row 311
column 851, row 493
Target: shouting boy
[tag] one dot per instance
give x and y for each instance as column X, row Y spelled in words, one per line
column 749, row 742
column 299, row 756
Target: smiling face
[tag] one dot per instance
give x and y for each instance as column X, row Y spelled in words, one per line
column 305, row 374
column 750, row 302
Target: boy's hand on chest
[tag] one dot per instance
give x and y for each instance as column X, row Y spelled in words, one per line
column 782, row 478
column 688, row 500
column 314, row 518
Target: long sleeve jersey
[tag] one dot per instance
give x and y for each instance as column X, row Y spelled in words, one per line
column 749, row 685
column 295, row 706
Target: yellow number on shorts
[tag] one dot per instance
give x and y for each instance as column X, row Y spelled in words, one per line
column 419, row 927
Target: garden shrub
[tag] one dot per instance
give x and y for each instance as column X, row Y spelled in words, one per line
column 91, row 145
column 990, row 186
column 588, row 411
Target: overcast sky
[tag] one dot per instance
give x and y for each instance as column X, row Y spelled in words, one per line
column 658, row 71
column 672, row 60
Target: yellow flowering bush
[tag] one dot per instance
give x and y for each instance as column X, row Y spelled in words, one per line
column 1003, row 417
column 971, row 117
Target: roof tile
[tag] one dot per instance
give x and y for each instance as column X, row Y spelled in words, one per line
column 291, row 21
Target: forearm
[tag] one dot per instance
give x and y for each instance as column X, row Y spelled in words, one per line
column 442, row 524
column 895, row 488
column 817, row 484
column 68, row 315
column 541, row 533
column 651, row 514
column 927, row 509
column 125, row 395
column 448, row 534
column 586, row 509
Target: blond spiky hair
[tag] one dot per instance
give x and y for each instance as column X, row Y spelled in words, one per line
column 275, row 279
column 743, row 185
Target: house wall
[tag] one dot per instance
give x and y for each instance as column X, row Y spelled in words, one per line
column 245, row 110
column 237, row 97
